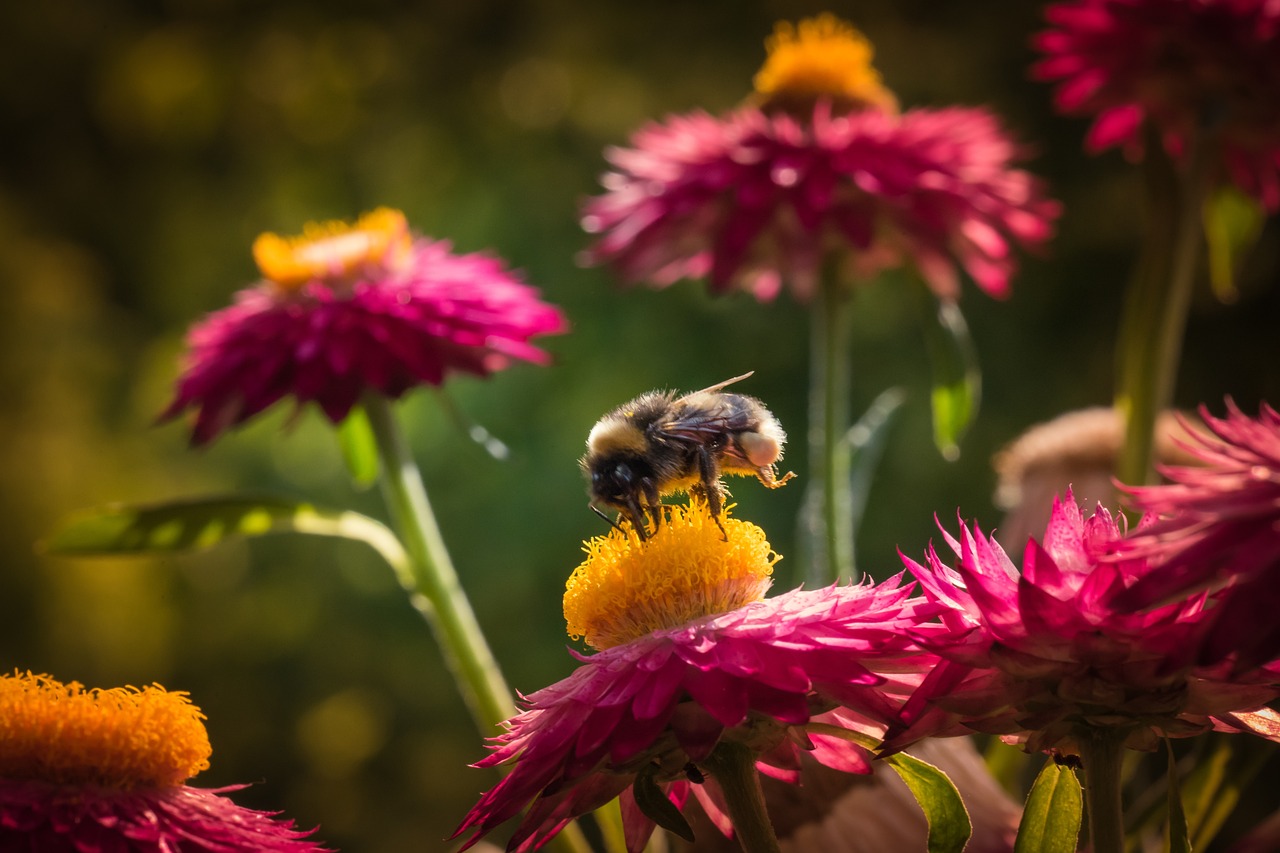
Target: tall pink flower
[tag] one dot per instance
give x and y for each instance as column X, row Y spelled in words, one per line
column 1217, row 524
column 758, row 198
column 88, row 771
column 692, row 659
column 1041, row 657
column 1189, row 67
column 346, row 309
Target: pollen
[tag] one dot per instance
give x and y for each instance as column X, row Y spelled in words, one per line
column 121, row 737
column 334, row 250
column 627, row 588
column 822, row 57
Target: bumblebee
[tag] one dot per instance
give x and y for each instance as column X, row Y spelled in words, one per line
column 658, row 444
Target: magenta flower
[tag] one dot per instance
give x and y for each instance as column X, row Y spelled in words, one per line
column 347, row 309
column 691, row 659
column 756, row 199
column 1218, row 524
column 1185, row 66
column 90, row 771
column 1041, row 658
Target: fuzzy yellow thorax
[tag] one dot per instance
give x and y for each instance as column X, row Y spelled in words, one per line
column 334, row 251
column 822, row 57
column 122, row 737
column 627, row 588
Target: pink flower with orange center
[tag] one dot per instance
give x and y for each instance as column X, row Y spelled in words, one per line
column 1041, row 657
column 1216, row 525
column 87, row 771
column 691, row 657
column 822, row 162
column 349, row 309
column 1188, row 67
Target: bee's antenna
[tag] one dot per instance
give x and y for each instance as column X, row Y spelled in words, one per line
column 607, row 519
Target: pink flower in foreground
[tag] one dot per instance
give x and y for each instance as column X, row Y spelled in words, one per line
column 347, row 309
column 693, row 658
column 759, row 198
column 91, row 771
column 1215, row 524
column 1039, row 657
column 1189, row 67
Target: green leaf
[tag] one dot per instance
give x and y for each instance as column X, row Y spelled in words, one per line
column 185, row 525
column 1179, row 838
column 359, row 447
column 1051, row 819
column 867, row 439
column 1232, row 222
column 651, row 800
column 957, row 380
column 949, row 826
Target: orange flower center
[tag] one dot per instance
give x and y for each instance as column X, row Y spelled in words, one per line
column 821, row 57
column 120, row 738
column 334, row 251
column 627, row 588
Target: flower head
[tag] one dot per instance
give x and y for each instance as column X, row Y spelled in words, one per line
column 1217, row 523
column 762, row 196
column 1040, row 657
column 680, row 673
column 345, row 309
column 1185, row 66
column 89, row 770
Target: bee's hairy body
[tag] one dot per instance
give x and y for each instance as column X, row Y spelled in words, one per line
column 660, row 444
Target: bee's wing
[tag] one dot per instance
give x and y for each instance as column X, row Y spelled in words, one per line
column 698, row 417
column 720, row 385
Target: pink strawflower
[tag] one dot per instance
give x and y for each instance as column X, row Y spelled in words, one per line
column 347, row 309
column 1192, row 68
column 1217, row 523
column 692, row 657
column 1040, row 657
column 92, row 771
column 758, row 198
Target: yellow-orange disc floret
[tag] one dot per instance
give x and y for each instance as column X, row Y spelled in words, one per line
column 122, row 737
column 627, row 588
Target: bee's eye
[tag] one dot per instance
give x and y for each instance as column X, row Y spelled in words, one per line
column 622, row 474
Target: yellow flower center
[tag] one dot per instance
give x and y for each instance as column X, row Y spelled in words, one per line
column 120, row 738
column 627, row 588
column 334, row 250
column 822, row 57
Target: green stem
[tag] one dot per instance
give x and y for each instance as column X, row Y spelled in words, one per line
column 439, row 596
column 1101, row 752
column 450, row 613
column 1154, row 316
column 830, row 505
column 733, row 766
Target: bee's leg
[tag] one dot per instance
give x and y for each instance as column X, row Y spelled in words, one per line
column 638, row 522
column 768, row 475
column 653, row 502
column 711, row 487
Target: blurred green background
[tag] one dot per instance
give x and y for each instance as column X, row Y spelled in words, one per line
column 145, row 144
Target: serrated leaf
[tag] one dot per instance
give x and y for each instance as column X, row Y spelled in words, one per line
column 957, row 380
column 197, row 523
column 1232, row 222
column 1179, row 838
column 653, row 802
column 359, row 447
column 949, row 825
column 1051, row 819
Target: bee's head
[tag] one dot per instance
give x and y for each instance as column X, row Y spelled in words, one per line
column 615, row 480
